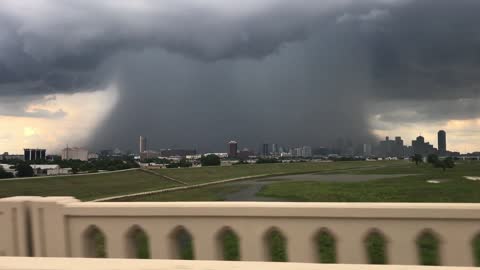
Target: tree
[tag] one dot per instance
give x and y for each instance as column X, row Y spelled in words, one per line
column 417, row 158
column 4, row 174
column 449, row 162
column 210, row 160
column 184, row 163
column 440, row 164
column 432, row 159
column 444, row 164
column 24, row 170
column 267, row 160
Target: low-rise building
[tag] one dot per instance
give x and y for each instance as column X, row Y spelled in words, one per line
column 220, row 155
column 149, row 154
column 246, row 154
column 193, row 157
column 49, row 169
column 177, row 152
column 7, row 156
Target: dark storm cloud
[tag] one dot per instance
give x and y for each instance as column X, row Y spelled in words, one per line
column 57, row 45
column 428, row 49
column 421, row 112
column 200, row 73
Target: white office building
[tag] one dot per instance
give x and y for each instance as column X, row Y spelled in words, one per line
column 75, row 153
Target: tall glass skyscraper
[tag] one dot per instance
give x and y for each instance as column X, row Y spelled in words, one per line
column 442, row 141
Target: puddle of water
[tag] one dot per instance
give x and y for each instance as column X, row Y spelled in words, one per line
column 473, row 178
column 437, row 181
column 252, row 187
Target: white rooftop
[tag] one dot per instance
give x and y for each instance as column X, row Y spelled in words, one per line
column 45, row 166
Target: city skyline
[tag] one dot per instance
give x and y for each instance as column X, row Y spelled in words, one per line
column 358, row 69
column 234, row 146
column 432, row 137
column 377, row 148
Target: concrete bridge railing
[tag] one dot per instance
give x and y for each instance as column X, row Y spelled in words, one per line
column 15, row 263
column 65, row 227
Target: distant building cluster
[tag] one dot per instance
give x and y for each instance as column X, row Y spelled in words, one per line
column 396, row 148
column 269, row 151
column 304, row 151
column 145, row 153
column 389, row 148
column 43, row 164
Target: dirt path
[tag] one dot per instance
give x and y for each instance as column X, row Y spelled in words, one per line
column 178, row 188
column 164, row 176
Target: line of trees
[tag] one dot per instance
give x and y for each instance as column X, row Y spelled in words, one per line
column 182, row 163
column 22, row 169
column 4, row 174
column 103, row 164
column 444, row 164
column 447, row 163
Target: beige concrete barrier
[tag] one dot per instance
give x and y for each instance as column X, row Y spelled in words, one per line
column 15, row 234
column 63, row 227
column 16, row 263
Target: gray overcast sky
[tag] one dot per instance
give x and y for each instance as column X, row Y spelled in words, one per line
column 192, row 73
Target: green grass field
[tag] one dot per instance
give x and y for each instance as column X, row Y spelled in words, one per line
column 85, row 187
column 412, row 188
column 208, row 174
column 216, row 193
column 453, row 187
column 206, row 194
column 89, row 187
column 415, row 188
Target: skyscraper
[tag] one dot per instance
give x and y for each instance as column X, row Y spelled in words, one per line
column 367, row 150
column 274, row 148
column 442, row 142
column 232, row 149
column 143, row 144
column 265, row 150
